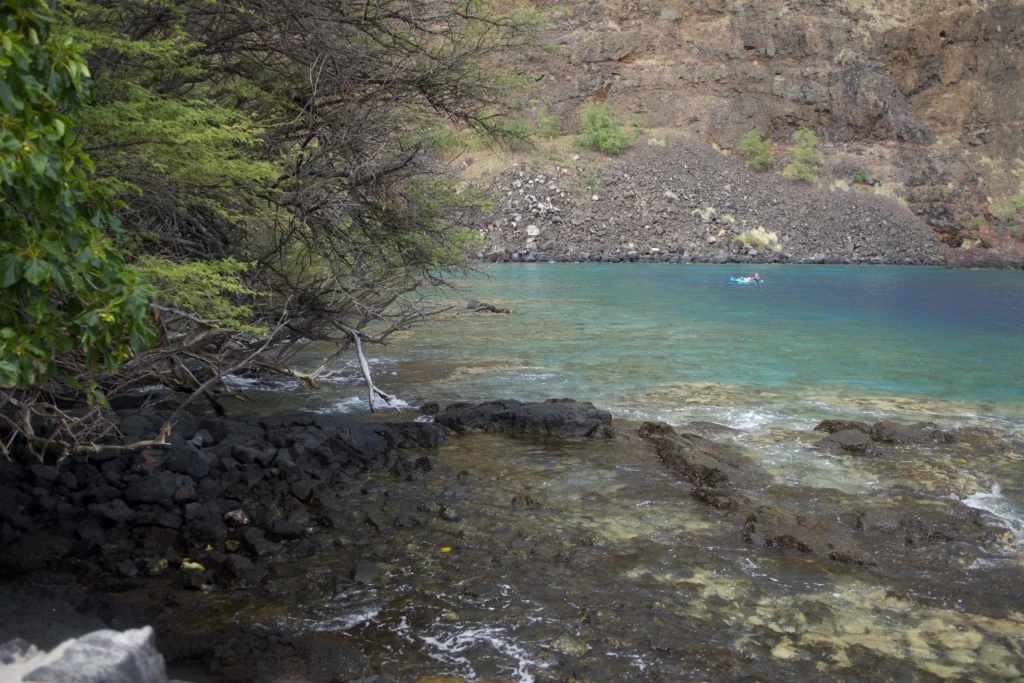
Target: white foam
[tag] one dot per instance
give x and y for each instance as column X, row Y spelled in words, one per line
column 341, row 622
column 357, row 404
column 447, row 649
column 238, row 381
column 996, row 503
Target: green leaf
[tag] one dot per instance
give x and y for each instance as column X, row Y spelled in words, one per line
column 7, row 98
column 37, row 271
column 11, row 266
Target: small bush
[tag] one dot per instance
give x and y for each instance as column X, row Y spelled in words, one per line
column 548, row 125
column 758, row 149
column 860, row 178
column 976, row 222
column 1010, row 213
column 804, row 157
column 599, row 130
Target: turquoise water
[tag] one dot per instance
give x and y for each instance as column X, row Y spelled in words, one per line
column 681, row 342
column 647, row 339
column 882, row 330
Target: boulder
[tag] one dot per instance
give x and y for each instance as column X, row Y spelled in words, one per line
column 191, row 462
column 152, row 489
column 255, row 541
column 303, row 490
column 286, row 530
column 140, row 426
column 113, row 513
column 203, row 439
column 205, row 525
column 241, row 569
column 236, row 518
column 42, row 475
column 186, row 493
column 34, row 551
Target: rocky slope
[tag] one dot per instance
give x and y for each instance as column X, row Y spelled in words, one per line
column 921, row 95
column 689, row 202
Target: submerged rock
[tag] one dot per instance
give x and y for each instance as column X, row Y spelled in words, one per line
column 569, row 644
column 481, row 307
column 918, row 433
column 708, row 429
column 556, row 417
column 702, row 462
column 833, row 426
column 775, row 528
column 848, row 440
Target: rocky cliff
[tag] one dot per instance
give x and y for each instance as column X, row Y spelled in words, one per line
column 921, row 96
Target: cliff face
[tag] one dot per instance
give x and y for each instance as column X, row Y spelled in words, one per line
column 924, row 96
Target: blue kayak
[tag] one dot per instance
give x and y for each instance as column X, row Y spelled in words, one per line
column 745, row 280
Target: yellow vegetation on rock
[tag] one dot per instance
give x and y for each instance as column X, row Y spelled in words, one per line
column 759, row 237
column 705, row 214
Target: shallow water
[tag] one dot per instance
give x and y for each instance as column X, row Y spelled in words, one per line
column 656, row 585
column 594, row 540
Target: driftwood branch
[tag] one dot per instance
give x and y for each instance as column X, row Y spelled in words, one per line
column 371, row 390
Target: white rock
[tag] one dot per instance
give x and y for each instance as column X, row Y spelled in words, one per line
column 532, row 230
column 595, row 198
column 98, row 657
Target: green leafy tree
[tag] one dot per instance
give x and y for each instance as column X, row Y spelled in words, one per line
column 69, row 305
column 278, row 168
column 599, row 130
column 758, row 149
column 804, row 157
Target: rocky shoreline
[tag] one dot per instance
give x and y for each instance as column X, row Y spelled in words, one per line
column 249, row 507
column 223, row 502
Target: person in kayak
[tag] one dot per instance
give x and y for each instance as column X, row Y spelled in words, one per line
column 757, row 278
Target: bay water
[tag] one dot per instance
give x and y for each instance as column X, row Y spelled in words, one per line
column 661, row 584
column 681, row 342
